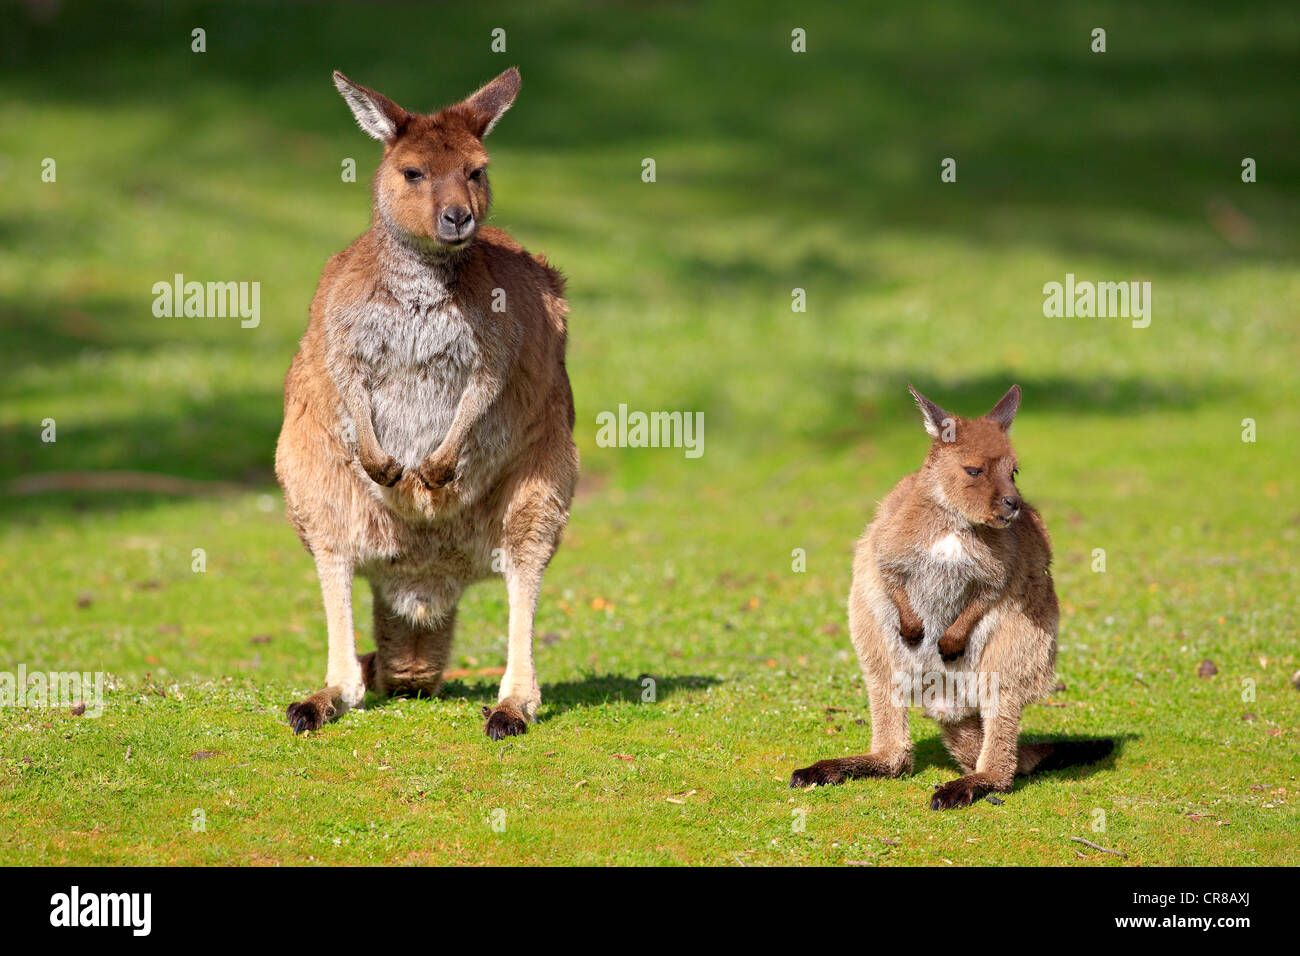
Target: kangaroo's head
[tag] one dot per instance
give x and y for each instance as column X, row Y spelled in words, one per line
column 431, row 187
column 971, row 468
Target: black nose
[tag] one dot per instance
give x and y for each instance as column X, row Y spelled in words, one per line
column 456, row 217
column 1011, row 503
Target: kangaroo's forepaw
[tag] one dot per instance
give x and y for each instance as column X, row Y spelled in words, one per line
column 386, row 473
column 504, row 720
column 437, row 473
column 951, row 646
column 309, row 714
column 961, row 792
column 911, row 632
column 820, row 774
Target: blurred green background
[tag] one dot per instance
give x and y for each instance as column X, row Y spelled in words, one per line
column 775, row 171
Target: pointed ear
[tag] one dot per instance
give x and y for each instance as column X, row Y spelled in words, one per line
column 932, row 416
column 1004, row 412
column 489, row 103
column 376, row 114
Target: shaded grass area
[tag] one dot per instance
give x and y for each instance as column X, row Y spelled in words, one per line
column 775, row 171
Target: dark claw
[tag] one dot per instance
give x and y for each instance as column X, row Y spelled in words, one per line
column 304, row 716
column 504, row 722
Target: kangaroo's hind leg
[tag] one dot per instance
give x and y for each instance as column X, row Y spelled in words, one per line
column 891, row 741
column 344, row 683
column 995, row 766
column 536, row 513
column 964, row 739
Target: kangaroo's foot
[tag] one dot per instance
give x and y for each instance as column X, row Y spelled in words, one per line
column 839, row 769
column 964, row 791
column 338, row 698
column 504, row 720
column 312, row 712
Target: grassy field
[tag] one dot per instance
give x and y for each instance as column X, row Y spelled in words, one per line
column 775, row 171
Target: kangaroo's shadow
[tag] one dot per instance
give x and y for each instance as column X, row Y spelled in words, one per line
column 1078, row 771
column 590, row 691
column 932, row 753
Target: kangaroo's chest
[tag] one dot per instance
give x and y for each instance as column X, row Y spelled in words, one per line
column 417, row 355
column 942, row 574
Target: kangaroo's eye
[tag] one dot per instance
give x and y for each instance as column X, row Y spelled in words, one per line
column 974, row 472
column 1014, row 471
column 412, row 174
column 477, row 174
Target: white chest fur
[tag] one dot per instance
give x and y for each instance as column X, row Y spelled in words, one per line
column 417, row 356
column 940, row 577
column 949, row 548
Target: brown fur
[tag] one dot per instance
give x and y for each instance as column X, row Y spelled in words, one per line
column 952, row 580
column 404, row 341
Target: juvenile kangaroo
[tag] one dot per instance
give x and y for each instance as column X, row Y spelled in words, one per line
column 952, row 602
column 428, row 420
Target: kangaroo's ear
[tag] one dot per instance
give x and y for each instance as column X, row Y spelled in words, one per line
column 1004, row 412
column 932, row 416
column 489, row 103
column 376, row 114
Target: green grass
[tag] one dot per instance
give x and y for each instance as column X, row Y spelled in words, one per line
column 775, row 171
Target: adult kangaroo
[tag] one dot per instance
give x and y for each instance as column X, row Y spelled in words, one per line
column 428, row 419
